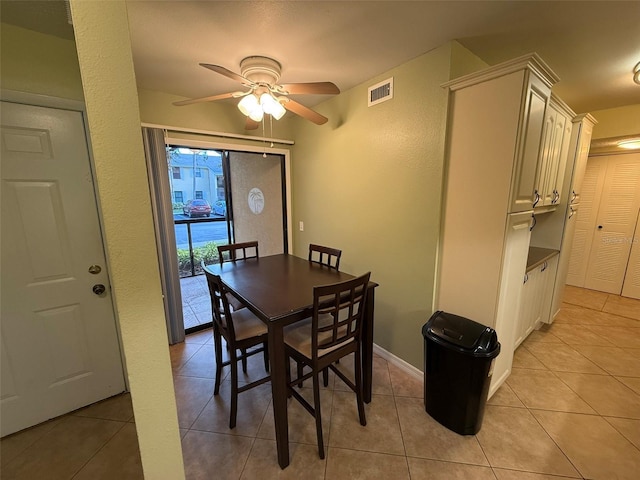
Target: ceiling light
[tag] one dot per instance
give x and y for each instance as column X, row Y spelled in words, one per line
column 632, row 144
column 255, row 109
column 636, row 73
column 272, row 106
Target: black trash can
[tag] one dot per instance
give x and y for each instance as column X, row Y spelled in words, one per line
column 459, row 356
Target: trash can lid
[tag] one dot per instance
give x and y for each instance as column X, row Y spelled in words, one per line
column 467, row 335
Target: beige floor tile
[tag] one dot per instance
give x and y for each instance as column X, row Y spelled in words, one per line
column 13, row 445
column 541, row 336
column 380, row 381
column 509, row 436
column 518, row 475
column 542, row 389
column 406, row 384
column 583, row 297
column 202, row 337
column 115, row 408
column 214, row 455
column 119, row 458
column 596, row 449
column 629, row 428
column 563, row 358
column 632, row 382
column 576, row 315
column 263, row 462
column 621, row 336
column 192, row 394
column 580, row 336
column 302, row 426
column 505, row 397
column 382, row 432
column 63, row 450
column 615, row 361
column 424, row 437
column 523, row 358
column 181, row 352
column 252, row 406
column 623, row 306
column 343, row 464
column 604, row 394
column 423, row 469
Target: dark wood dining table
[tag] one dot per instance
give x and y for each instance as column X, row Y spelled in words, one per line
column 278, row 289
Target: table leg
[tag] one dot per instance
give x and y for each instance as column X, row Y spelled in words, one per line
column 367, row 346
column 278, row 360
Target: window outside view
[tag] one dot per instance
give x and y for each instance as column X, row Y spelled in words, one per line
column 199, row 207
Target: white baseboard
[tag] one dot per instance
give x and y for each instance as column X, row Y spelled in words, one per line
column 398, row 362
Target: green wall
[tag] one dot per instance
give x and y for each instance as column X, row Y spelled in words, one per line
column 37, row 63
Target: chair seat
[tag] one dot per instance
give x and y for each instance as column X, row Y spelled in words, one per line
column 247, row 325
column 234, row 302
column 298, row 336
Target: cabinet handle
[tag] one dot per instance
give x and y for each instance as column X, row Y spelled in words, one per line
column 574, row 195
column 573, row 212
column 536, row 198
column 556, row 196
column 533, row 223
column 526, row 278
column 544, row 266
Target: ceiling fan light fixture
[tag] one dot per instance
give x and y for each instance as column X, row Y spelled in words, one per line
column 250, row 107
column 636, row 73
column 271, row 106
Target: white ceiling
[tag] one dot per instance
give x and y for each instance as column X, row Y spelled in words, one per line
column 591, row 45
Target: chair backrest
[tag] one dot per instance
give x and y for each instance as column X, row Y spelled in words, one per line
column 220, row 310
column 238, row 251
column 325, row 256
column 338, row 314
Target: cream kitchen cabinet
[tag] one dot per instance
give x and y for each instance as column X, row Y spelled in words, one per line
column 535, row 299
column 578, row 154
column 553, row 155
column 494, row 133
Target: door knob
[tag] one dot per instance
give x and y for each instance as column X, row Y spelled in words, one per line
column 599, row 227
column 95, row 269
column 99, row 289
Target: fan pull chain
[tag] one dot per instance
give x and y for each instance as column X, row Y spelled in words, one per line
column 264, row 154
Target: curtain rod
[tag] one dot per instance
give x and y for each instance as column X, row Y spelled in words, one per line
column 218, row 134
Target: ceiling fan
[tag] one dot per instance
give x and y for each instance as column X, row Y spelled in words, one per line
column 260, row 76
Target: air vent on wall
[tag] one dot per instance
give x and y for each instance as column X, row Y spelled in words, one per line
column 381, row 92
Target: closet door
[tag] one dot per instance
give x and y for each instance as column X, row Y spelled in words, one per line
column 585, row 219
column 615, row 224
column 631, row 286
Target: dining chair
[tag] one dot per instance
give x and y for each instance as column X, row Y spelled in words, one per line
column 241, row 330
column 325, row 256
column 234, row 252
column 237, row 251
column 332, row 332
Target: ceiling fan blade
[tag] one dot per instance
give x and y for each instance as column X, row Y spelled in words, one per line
column 315, row 88
column 228, row 73
column 205, row 99
column 251, row 124
column 303, row 111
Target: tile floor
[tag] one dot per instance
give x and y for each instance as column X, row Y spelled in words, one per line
column 570, row 409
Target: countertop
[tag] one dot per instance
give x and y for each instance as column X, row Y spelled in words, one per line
column 537, row 256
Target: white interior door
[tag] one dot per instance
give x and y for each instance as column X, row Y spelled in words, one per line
column 256, row 192
column 615, row 224
column 631, row 285
column 585, row 219
column 59, row 343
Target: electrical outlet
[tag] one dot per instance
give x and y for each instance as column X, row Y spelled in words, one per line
column 302, row 226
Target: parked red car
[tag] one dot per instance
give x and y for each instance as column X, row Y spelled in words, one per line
column 197, row 207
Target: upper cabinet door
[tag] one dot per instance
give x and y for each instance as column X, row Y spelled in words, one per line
column 536, row 98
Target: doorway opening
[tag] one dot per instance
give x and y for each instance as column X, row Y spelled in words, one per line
column 213, row 194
